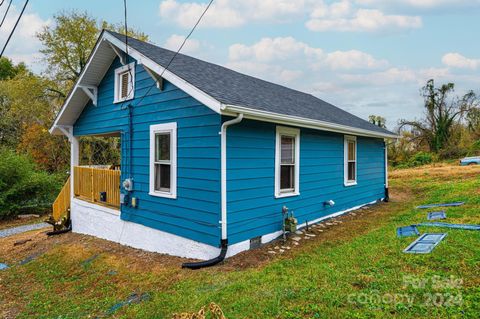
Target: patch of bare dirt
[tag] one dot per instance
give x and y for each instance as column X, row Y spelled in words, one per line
column 335, row 229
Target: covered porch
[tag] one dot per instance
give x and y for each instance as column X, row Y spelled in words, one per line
column 94, row 178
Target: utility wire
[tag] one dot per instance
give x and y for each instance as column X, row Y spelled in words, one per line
column 178, row 51
column 6, row 12
column 14, row 27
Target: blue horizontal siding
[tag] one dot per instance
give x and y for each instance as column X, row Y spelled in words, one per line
column 196, row 211
column 253, row 209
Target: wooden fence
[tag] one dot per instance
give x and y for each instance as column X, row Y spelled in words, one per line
column 89, row 182
column 62, row 202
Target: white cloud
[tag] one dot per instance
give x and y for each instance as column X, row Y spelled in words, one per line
column 342, row 15
column 24, row 45
column 270, row 72
column 397, row 76
column 289, row 50
column 362, row 20
column 353, row 59
column 270, row 49
column 231, row 13
column 456, row 60
column 175, row 41
column 422, row 4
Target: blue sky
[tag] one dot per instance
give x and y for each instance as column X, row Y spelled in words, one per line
column 366, row 56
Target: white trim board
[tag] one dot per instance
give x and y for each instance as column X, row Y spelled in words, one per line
column 290, row 132
column 117, row 86
column 346, row 140
column 171, row 129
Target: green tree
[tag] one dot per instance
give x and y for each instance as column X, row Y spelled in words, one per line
column 24, row 99
column 377, row 120
column 9, row 70
column 442, row 112
column 67, row 44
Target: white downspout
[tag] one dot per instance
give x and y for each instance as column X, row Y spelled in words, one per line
column 386, row 196
column 386, row 165
column 223, row 150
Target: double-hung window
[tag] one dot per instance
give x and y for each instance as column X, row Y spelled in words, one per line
column 287, row 162
column 163, row 160
column 124, row 83
column 350, row 160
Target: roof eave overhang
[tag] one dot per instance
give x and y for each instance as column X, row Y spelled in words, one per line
column 206, row 99
column 301, row 122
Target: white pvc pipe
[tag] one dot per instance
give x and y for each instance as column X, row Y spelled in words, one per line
column 223, row 150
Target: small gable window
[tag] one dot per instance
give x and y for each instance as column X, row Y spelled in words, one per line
column 124, row 83
column 163, row 160
column 350, row 160
column 287, row 162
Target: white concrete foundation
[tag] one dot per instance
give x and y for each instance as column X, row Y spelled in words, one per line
column 104, row 222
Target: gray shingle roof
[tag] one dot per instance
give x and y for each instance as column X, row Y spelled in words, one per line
column 234, row 88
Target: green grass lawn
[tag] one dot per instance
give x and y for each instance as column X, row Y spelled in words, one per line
column 352, row 270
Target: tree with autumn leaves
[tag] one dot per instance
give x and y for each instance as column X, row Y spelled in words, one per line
column 29, row 102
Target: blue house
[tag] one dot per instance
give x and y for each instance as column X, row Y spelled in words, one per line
column 209, row 156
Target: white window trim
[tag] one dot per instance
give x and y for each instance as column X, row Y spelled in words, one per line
column 164, row 128
column 117, row 84
column 348, row 138
column 283, row 130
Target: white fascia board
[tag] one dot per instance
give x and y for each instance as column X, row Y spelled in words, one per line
column 183, row 85
column 266, row 116
column 76, row 86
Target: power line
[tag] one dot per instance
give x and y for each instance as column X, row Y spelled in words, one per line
column 6, row 12
column 178, row 51
column 14, row 27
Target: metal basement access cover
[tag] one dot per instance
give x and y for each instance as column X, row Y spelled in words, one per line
column 406, row 231
column 454, row 204
column 425, row 243
column 436, row 215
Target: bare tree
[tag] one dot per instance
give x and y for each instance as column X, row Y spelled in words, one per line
column 442, row 112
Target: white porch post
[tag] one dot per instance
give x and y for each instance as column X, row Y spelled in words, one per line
column 74, row 160
column 74, row 153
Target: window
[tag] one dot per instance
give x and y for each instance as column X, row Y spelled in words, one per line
column 163, row 160
column 124, row 83
column 287, row 162
column 350, row 160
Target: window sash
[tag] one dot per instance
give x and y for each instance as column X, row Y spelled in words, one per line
column 287, row 178
column 287, row 159
column 162, row 162
column 162, row 169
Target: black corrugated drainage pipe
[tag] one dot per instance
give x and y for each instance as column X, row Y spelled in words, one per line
column 211, row 262
column 61, row 231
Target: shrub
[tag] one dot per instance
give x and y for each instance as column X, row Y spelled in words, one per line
column 421, row 158
column 23, row 188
